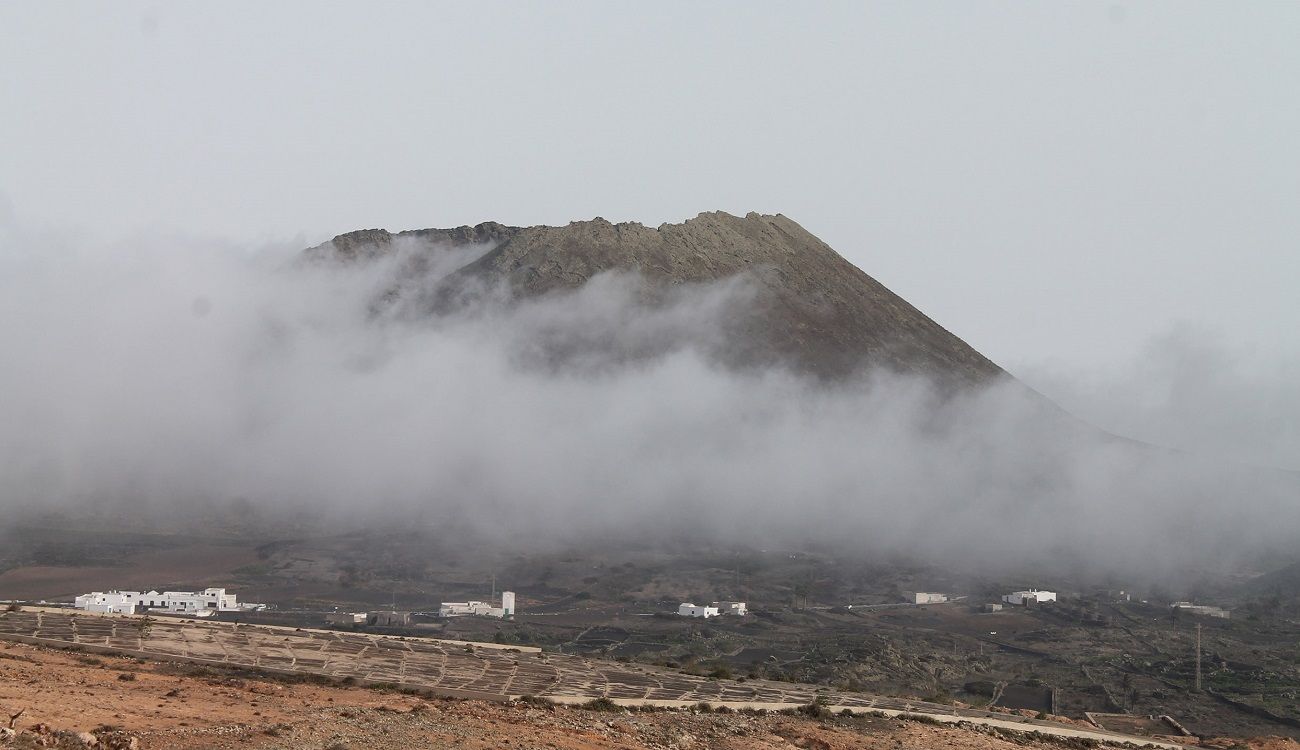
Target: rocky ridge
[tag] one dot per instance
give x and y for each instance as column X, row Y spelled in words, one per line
column 811, row 308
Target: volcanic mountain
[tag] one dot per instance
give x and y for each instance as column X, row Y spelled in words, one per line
column 808, row 307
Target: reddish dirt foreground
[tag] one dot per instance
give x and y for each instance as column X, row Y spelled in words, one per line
column 131, row 703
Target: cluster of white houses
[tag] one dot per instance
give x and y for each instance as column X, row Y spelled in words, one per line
column 1030, row 597
column 203, row 603
column 395, row 619
column 1021, row 598
column 210, row 601
column 716, row 609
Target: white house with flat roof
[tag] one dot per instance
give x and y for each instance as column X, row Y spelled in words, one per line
column 716, row 609
column 687, row 609
column 924, row 597
column 1032, row 596
column 109, row 602
column 480, row 609
column 345, row 618
column 193, row 603
column 1202, row 609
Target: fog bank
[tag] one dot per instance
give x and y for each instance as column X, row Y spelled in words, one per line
column 170, row 373
column 1191, row 388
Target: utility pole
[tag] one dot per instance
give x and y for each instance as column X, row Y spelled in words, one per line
column 1198, row 657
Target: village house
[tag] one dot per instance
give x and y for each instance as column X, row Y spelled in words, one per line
column 193, row 603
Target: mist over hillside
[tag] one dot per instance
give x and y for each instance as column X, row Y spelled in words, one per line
column 807, row 308
column 731, row 380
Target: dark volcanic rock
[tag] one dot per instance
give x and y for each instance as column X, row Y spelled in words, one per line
column 364, row 244
column 812, row 308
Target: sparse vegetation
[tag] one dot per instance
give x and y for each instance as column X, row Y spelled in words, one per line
column 816, row 708
column 536, row 700
column 920, row 719
column 602, row 704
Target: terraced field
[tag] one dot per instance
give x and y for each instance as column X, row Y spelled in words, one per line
column 449, row 668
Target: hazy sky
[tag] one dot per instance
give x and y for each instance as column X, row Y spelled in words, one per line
column 1059, row 183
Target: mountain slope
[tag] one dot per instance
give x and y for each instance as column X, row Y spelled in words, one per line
column 810, row 307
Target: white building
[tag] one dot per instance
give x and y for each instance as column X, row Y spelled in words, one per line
column 690, row 610
column 345, row 618
column 1202, row 609
column 193, row 603
column 389, row 618
column 922, row 597
column 1032, row 596
column 465, row 609
column 206, row 601
column 111, row 602
column 716, row 609
column 480, row 609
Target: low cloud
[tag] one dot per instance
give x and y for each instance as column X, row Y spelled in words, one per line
column 160, row 376
column 1191, row 389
